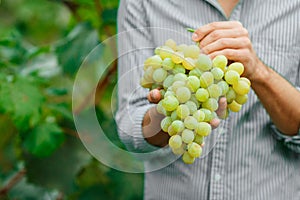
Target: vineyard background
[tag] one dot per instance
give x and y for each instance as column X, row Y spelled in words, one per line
column 42, row 45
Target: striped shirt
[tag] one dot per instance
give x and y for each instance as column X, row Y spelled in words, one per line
column 250, row 158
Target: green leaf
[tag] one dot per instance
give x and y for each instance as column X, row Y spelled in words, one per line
column 109, row 16
column 58, row 171
column 78, row 44
column 44, row 139
column 21, row 99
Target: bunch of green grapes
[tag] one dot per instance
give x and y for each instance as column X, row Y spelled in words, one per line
column 190, row 85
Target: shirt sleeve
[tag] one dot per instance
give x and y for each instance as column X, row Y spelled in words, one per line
column 134, row 46
column 291, row 142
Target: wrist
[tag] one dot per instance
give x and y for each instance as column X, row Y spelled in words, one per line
column 261, row 74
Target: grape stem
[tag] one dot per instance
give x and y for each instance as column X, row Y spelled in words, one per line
column 190, row 30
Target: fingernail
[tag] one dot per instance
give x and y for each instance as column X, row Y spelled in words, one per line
column 195, row 36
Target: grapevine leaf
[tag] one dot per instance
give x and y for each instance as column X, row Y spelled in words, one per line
column 78, row 45
column 22, row 100
column 44, row 139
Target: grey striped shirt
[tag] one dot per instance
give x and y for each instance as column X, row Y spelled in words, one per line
column 251, row 159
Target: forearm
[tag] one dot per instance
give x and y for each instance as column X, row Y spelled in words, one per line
column 280, row 99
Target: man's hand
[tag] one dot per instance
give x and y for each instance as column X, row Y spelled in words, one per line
column 231, row 39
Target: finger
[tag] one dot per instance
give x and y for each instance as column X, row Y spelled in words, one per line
column 200, row 33
column 238, row 55
column 215, row 123
column 221, row 112
column 154, row 96
column 227, row 43
column 223, row 33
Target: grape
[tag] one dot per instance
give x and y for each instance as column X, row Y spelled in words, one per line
column 181, row 47
column 178, row 69
column 187, row 158
column 191, row 51
column 174, row 115
column 224, row 87
column 180, row 77
column 170, row 103
column 169, row 93
column 182, row 111
column 220, row 61
column 241, row 87
column 192, row 106
column 214, row 91
column 162, row 93
column 183, row 94
column 175, row 141
column 195, row 72
column 160, row 109
column 203, row 62
column 236, row 66
column 203, row 128
column 187, row 136
column 230, row 95
column 166, row 52
column 167, row 64
column 148, row 74
column 177, row 126
column 194, row 149
column 177, row 84
column 208, row 114
column 168, row 81
column 178, row 57
column 211, row 104
column 193, row 83
column 165, row 123
column 202, row 95
column 190, row 122
column 157, row 51
column 246, row 80
column 159, row 75
column 179, row 151
column 199, row 115
column 194, row 99
column 199, row 139
column 234, row 106
column 217, row 73
column 154, row 61
column 145, row 83
column 154, row 96
column 171, row 43
column 206, row 79
column 241, row 99
column 171, row 131
column 188, row 63
column 231, row 77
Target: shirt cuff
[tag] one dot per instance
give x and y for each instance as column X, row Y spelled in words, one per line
column 291, row 142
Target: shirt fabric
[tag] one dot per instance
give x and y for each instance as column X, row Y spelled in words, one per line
column 251, row 158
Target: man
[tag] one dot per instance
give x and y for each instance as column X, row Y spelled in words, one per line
column 258, row 156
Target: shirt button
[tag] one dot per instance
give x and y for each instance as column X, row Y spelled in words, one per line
column 217, row 177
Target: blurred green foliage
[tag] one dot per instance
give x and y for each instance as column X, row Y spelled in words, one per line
column 42, row 45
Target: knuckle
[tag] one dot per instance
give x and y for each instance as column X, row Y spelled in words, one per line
column 238, row 23
column 224, row 42
column 230, row 53
column 213, row 25
column 245, row 31
column 216, row 35
column 247, row 42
